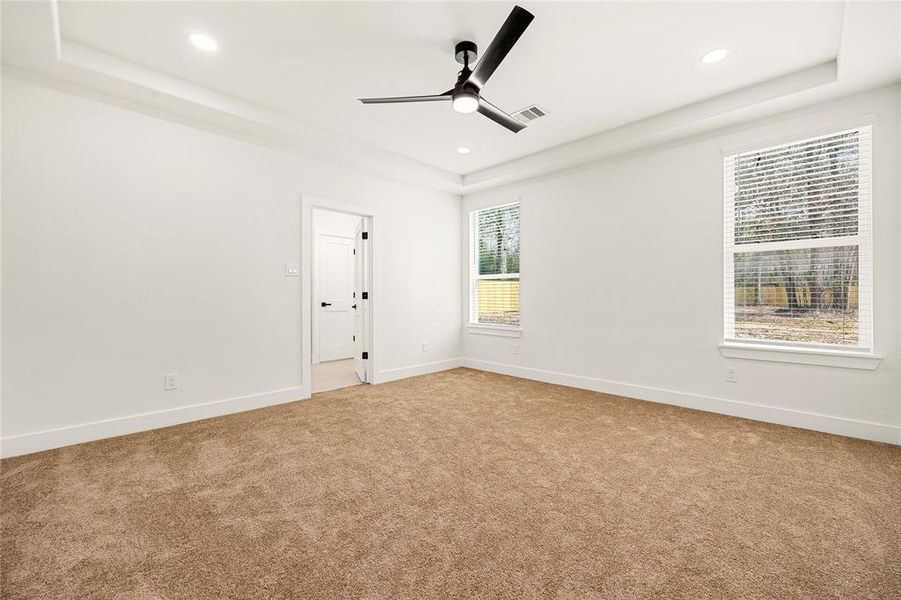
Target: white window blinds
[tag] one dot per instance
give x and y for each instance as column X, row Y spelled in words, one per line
column 798, row 243
column 494, row 266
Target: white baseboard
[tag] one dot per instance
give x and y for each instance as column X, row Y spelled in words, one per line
column 97, row 430
column 866, row 430
column 386, row 375
column 88, row 432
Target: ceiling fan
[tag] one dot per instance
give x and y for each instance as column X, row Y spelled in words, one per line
column 465, row 97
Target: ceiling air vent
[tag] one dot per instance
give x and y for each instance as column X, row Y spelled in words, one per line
column 529, row 114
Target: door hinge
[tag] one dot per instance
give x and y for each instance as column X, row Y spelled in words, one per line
column 365, row 356
column 365, row 235
column 355, row 251
column 355, row 338
column 365, row 295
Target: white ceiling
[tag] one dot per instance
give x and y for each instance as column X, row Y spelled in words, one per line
column 593, row 66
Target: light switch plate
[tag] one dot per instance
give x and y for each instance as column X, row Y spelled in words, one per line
column 292, row 269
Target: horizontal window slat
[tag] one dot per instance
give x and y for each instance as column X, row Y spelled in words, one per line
column 819, row 154
column 500, row 276
column 811, row 185
column 824, row 163
column 746, row 196
column 796, row 186
column 824, row 242
column 839, row 215
column 844, row 200
column 794, row 148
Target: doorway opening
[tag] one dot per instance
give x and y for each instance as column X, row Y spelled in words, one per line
column 339, row 299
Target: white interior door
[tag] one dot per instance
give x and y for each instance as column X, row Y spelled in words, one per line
column 361, row 312
column 336, row 288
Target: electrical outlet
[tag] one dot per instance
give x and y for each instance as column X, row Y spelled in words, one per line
column 731, row 374
column 170, row 382
column 425, row 347
column 292, row 269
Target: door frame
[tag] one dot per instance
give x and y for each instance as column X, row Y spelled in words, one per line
column 370, row 216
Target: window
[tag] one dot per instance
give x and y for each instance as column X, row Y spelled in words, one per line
column 494, row 266
column 798, row 244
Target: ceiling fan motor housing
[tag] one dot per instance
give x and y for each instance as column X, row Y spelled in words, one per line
column 466, row 95
column 466, row 52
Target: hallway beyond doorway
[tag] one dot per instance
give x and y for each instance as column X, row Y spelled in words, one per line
column 333, row 375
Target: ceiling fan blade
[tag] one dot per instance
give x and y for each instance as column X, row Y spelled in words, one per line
column 508, row 34
column 403, row 99
column 499, row 116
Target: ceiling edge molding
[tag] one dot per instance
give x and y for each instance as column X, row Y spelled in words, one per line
column 743, row 124
column 138, row 84
column 65, row 65
column 85, row 71
column 704, row 115
column 230, row 115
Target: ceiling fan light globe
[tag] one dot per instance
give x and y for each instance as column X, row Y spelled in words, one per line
column 466, row 103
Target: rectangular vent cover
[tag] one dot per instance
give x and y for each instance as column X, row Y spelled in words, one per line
column 529, row 114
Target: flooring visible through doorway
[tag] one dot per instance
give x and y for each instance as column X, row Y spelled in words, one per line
column 334, row 375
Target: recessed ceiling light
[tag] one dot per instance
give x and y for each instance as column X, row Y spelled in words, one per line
column 463, row 150
column 201, row 41
column 715, row 56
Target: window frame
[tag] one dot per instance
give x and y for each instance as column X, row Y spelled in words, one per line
column 858, row 356
column 474, row 277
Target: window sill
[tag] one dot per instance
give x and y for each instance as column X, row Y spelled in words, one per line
column 847, row 359
column 498, row 330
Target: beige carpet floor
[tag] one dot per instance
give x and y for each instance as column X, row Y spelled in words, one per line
column 461, row 484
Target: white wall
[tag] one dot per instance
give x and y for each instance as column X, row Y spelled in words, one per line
column 605, row 251
column 135, row 247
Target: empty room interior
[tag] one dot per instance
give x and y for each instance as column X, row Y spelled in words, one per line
column 450, row 299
